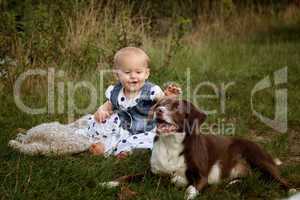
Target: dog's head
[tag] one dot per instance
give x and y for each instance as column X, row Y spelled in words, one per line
column 173, row 115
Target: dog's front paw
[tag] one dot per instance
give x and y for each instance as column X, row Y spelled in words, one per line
column 292, row 191
column 173, row 90
column 110, row 184
column 179, row 181
column 191, row 193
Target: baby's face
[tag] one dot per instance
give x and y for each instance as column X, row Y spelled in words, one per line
column 133, row 73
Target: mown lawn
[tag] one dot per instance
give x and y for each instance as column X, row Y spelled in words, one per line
column 243, row 62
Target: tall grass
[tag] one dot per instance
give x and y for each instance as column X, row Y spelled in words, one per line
column 89, row 33
column 94, row 33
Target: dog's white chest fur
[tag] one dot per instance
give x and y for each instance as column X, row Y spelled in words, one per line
column 166, row 158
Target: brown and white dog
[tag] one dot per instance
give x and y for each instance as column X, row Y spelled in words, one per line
column 195, row 160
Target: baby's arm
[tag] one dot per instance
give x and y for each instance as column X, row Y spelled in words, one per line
column 103, row 112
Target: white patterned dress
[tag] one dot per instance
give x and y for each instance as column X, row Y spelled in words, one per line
column 112, row 135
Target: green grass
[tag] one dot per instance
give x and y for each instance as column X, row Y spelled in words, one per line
column 243, row 62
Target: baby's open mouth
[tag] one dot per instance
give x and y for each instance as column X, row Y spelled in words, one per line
column 133, row 82
column 165, row 127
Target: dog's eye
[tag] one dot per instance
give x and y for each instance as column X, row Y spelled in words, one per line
column 174, row 105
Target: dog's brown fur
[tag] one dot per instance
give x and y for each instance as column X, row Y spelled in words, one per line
column 201, row 152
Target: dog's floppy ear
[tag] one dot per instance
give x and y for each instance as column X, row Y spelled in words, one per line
column 151, row 112
column 197, row 114
column 152, row 109
column 193, row 116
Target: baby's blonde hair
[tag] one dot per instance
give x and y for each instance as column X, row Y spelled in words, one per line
column 128, row 51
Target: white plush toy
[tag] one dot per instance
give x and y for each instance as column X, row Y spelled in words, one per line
column 53, row 139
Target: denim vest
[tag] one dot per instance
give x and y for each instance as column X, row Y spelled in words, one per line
column 135, row 119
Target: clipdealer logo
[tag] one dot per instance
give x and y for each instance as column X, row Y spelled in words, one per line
column 279, row 123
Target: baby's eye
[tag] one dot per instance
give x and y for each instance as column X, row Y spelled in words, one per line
column 127, row 72
column 139, row 72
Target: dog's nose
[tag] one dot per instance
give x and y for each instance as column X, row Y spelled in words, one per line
column 159, row 110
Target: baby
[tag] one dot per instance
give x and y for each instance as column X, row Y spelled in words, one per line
column 120, row 124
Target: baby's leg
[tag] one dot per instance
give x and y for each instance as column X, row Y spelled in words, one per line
column 137, row 141
column 107, row 133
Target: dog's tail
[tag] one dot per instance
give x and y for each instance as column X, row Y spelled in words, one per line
column 258, row 158
column 123, row 179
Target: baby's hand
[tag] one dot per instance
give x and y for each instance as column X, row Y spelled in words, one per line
column 173, row 90
column 101, row 115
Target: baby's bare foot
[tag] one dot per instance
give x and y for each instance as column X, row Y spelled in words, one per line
column 97, row 149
